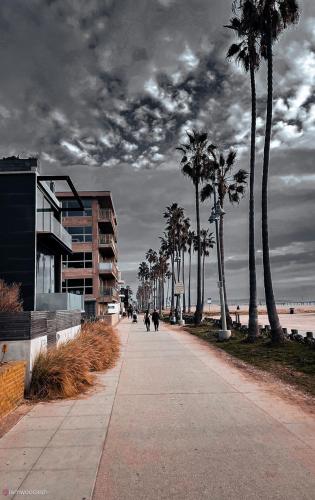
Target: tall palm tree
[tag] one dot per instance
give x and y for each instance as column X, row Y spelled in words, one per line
column 174, row 216
column 246, row 52
column 275, row 16
column 226, row 182
column 151, row 257
column 190, row 240
column 143, row 275
column 193, row 166
column 207, row 242
column 183, row 243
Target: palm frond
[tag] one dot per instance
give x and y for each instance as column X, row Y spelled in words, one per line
column 188, row 170
column 206, row 192
column 231, row 158
column 233, row 50
column 241, row 176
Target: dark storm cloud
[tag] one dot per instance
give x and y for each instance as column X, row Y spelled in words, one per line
column 105, row 89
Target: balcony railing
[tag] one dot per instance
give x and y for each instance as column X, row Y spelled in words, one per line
column 110, row 292
column 106, row 214
column 107, row 240
column 47, row 223
column 108, row 267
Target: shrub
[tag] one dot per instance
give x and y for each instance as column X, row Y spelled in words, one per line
column 102, row 343
column 10, row 297
column 65, row 371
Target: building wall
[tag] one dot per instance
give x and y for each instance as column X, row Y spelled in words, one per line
column 17, row 232
column 97, row 254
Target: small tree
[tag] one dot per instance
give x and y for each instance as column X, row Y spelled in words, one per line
column 10, row 300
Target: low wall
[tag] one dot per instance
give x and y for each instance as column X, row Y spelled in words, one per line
column 27, row 333
column 110, row 319
column 12, row 377
column 67, row 334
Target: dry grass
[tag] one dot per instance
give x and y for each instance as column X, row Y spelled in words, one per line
column 10, row 297
column 65, row 371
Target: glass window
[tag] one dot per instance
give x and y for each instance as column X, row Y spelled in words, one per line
column 82, row 286
column 45, row 273
column 78, row 260
column 80, row 233
column 68, row 204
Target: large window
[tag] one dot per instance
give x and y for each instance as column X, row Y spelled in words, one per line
column 45, row 273
column 82, row 286
column 78, row 260
column 80, row 233
column 74, row 204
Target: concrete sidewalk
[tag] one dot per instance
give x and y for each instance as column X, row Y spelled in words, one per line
column 185, row 425
column 54, row 451
column 172, row 421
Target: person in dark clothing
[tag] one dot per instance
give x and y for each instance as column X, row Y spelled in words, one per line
column 156, row 320
column 129, row 310
column 147, row 320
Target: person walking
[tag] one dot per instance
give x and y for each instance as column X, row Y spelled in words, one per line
column 129, row 312
column 156, row 320
column 147, row 320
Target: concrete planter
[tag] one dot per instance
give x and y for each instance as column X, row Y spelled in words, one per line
column 224, row 334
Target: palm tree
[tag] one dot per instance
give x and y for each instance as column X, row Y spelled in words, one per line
column 183, row 244
column 246, row 52
column 275, row 16
column 143, row 275
column 194, row 167
column 190, row 240
column 151, row 257
column 226, row 182
column 174, row 216
column 207, row 242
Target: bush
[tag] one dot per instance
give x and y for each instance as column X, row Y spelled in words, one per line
column 10, row 297
column 65, row 371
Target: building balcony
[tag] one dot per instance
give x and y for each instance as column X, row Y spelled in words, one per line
column 59, row 302
column 107, row 221
column 50, row 229
column 108, row 268
column 106, row 215
column 107, row 242
column 109, row 294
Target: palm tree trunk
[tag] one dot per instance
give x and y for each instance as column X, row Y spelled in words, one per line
column 229, row 322
column 183, row 275
column 173, row 283
column 167, row 291
column 277, row 336
column 203, row 278
column 253, row 331
column 189, row 282
column 198, row 312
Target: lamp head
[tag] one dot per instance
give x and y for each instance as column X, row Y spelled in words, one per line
column 219, row 210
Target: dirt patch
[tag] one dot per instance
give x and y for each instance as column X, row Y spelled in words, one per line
column 12, row 418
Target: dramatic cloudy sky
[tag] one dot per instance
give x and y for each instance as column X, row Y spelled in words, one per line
column 104, row 90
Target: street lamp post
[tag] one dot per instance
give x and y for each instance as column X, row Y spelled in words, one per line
column 216, row 213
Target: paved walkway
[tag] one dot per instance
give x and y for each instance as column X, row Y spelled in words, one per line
column 173, row 422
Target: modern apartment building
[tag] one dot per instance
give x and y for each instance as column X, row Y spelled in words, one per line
column 32, row 237
column 91, row 270
column 33, row 242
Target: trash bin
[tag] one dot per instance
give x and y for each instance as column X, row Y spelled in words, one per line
column 291, row 310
